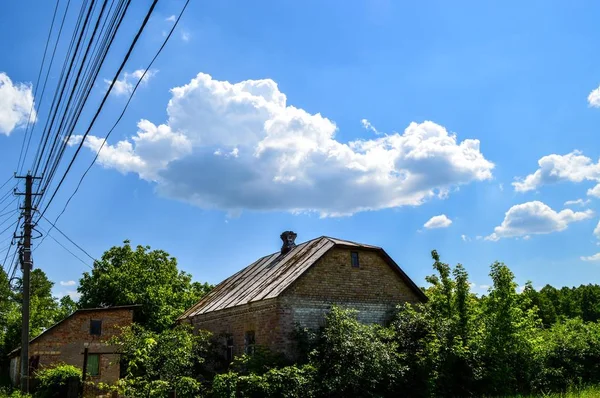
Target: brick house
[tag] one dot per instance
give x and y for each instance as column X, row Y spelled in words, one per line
column 65, row 342
column 263, row 303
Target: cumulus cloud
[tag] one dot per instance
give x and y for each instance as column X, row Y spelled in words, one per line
column 68, row 283
column 594, row 98
column 124, row 86
column 595, row 191
column 440, row 221
column 534, row 218
column 595, row 257
column 242, row 146
column 172, row 18
column 579, row 202
column 185, row 36
column 573, row 167
column 16, row 101
column 465, row 238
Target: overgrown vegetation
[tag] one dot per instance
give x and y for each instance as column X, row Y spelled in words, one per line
column 504, row 343
column 455, row 345
column 52, row 381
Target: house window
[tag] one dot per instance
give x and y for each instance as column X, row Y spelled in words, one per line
column 93, row 365
column 229, row 349
column 95, row 327
column 249, row 341
column 354, row 257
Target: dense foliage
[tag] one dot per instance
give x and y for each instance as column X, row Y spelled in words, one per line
column 126, row 276
column 455, row 345
column 156, row 363
column 52, row 381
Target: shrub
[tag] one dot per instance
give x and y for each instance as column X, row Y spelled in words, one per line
column 286, row 382
column 52, row 380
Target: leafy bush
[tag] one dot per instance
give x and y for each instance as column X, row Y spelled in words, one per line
column 53, row 379
column 286, row 382
column 5, row 392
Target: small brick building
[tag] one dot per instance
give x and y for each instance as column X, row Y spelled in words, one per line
column 263, row 303
column 65, row 342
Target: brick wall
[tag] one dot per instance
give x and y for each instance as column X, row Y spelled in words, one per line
column 374, row 289
column 262, row 317
column 65, row 341
column 333, row 279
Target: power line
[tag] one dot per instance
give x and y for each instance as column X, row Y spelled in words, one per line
column 69, row 239
column 9, row 203
column 6, row 182
column 97, row 113
column 36, row 85
column 92, row 72
column 7, row 228
column 7, row 194
column 124, row 109
column 47, row 129
column 61, row 245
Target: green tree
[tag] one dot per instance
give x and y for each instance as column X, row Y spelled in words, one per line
column 509, row 336
column 159, row 362
column 43, row 306
column 354, row 359
column 142, row 276
column 66, row 306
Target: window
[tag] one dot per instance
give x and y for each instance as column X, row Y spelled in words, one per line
column 354, row 257
column 249, row 341
column 93, row 364
column 229, row 349
column 95, row 327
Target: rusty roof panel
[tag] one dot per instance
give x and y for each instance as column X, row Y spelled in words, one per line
column 267, row 277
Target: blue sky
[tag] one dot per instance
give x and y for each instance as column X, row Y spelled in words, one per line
column 462, row 127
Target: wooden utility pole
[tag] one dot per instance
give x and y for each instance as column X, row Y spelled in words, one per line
column 26, row 265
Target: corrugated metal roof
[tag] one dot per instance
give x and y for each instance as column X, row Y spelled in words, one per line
column 269, row 276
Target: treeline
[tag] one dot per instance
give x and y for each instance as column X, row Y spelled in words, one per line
column 456, row 345
column 566, row 303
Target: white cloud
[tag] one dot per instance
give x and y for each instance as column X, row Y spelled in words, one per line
column 284, row 158
column 465, row 238
column 155, row 147
column 125, row 85
column 185, row 36
column 595, row 192
column 440, row 221
column 501, row 187
column 68, row 283
column 572, row 167
column 595, row 257
column 597, row 230
column 16, row 101
column 579, row 202
column 594, row 98
column 172, row 18
column 368, row 126
column 534, row 218
column 484, row 287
